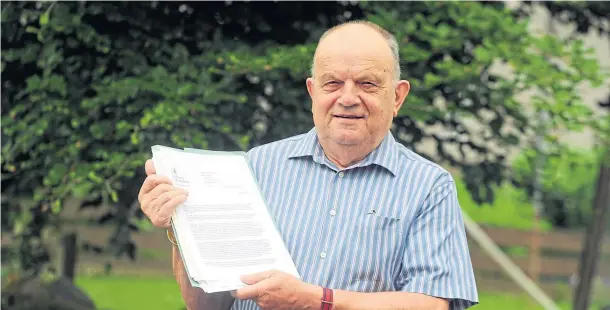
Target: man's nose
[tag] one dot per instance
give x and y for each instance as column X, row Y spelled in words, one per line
column 349, row 94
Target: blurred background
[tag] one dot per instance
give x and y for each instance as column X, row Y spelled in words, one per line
column 512, row 97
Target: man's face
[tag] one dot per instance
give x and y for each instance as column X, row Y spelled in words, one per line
column 354, row 97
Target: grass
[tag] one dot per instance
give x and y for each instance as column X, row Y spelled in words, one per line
column 122, row 293
column 152, row 253
column 118, row 293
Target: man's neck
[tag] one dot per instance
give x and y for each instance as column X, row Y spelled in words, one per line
column 344, row 156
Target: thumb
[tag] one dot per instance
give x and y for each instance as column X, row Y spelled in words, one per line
column 149, row 167
column 256, row 277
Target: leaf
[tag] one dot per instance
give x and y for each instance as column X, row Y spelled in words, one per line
column 431, row 80
column 94, row 177
column 82, row 189
column 56, row 207
column 56, row 174
column 482, row 54
column 44, row 18
column 114, row 196
column 135, row 138
column 33, row 83
column 57, row 84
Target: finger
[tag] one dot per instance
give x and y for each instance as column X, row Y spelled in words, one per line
column 148, row 200
column 159, row 189
column 247, row 292
column 150, row 183
column 162, row 217
column 162, row 208
column 168, row 208
column 162, row 198
column 173, row 200
column 149, row 167
column 163, row 194
column 159, row 179
column 257, row 277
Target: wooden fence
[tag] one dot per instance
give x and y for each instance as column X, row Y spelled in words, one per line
column 558, row 256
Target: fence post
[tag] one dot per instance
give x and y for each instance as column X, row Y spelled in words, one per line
column 534, row 251
column 593, row 238
column 68, row 256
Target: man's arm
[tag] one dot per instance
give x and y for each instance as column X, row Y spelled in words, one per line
column 281, row 291
column 437, row 261
column 347, row 300
column 194, row 297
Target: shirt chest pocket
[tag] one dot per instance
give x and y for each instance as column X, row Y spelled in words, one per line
column 373, row 257
column 378, row 222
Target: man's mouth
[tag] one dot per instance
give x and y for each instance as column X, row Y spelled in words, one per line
column 347, row 116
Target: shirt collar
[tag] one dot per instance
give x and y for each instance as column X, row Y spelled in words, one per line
column 385, row 155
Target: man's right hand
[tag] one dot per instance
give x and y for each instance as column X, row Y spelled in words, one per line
column 159, row 198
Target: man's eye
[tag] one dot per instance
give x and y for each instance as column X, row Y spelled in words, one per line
column 369, row 84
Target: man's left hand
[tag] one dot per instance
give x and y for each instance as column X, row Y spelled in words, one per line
column 278, row 290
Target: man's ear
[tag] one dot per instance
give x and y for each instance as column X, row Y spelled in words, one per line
column 310, row 85
column 400, row 94
column 310, row 89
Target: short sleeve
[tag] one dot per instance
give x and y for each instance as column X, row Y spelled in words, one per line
column 437, row 260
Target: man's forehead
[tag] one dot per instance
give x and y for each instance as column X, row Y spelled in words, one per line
column 353, row 54
column 343, row 66
column 365, row 72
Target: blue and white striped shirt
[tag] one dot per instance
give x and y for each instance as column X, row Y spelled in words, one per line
column 389, row 223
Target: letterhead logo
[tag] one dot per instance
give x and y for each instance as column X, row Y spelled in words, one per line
column 179, row 180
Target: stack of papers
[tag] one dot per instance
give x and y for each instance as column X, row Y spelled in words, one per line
column 223, row 229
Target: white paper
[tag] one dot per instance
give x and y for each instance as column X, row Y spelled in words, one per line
column 223, row 228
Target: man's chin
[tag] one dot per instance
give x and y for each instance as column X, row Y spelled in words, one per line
column 348, row 139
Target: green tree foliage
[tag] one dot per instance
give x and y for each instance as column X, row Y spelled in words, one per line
column 88, row 87
column 459, row 49
column 568, row 184
column 569, row 175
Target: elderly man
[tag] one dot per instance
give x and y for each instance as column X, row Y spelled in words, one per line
column 368, row 223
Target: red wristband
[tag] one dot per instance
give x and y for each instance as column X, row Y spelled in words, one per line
column 327, row 299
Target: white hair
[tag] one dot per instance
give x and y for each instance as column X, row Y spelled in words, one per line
column 392, row 43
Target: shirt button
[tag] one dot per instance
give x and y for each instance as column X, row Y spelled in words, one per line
column 323, row 254
column 333, row 212
column 341, row 174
